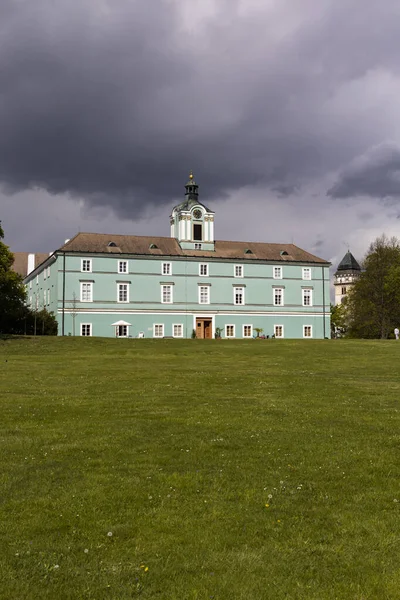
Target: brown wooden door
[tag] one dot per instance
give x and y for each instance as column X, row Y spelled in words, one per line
column 200, row 329
column 204, row 329
column 207, row 329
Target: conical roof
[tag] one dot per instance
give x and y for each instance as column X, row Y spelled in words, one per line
column 348, row 263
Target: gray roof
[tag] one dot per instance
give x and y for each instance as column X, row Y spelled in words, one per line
column 188, row 204
column 167, row 246
column 348, row 263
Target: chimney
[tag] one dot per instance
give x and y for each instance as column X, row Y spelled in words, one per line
column 31, row 263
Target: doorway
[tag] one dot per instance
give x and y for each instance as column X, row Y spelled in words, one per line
column 203, row 328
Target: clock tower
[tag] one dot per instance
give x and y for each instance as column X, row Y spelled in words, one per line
column 192, row 223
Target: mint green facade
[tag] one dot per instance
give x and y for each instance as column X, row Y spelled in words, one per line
column 163, row 295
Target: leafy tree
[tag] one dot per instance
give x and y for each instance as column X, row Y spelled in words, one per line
column 374, row 300
column 339, row 319
column 12, row 292
column 15, row 316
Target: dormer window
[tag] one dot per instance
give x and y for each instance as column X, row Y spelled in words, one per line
column 197, row 246
column 112, row 245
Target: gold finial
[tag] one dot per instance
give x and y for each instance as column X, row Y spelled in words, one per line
column 191, row 175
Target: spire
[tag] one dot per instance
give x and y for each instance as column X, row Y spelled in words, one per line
column 192, row 189
column 348, row 263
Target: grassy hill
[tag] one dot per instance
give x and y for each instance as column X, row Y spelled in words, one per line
column 195, row 469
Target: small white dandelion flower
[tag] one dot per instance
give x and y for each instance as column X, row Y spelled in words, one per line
column 270, row 496
column 109, row 534
column 86, row 550
column 56, row 566
column 395, row 500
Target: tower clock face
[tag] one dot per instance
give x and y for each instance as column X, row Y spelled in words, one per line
column 197, row 213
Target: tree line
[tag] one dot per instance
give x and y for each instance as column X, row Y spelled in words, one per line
column 15, row 317
column 372, row 308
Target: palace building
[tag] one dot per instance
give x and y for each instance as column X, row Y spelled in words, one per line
column 148, row 286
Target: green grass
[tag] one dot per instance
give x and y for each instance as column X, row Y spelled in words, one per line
column 176, row 447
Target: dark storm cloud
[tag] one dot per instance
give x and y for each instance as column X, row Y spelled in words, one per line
column 376, row 173
column 114, row 101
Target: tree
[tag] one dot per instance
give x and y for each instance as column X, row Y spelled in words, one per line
column 374, row 300
column 12, row 293
column 339, row 319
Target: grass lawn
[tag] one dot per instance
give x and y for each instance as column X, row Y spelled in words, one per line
column 180, row 470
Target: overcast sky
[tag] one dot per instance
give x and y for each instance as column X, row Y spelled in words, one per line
column 286, row 110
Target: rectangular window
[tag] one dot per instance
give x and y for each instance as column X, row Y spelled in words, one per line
column 307, row 273
column 229, row 331
column 197, row 246
column 44, row 298
column 247, row 331
column 166, row 294
column 30, row 284
column 238, row 270
column 203, row 270
column 123, row 292
column 37, row 279
column 177, row 330
column 343, row 291
column 166, row 269
column 86, row 329
column 86, row 265
column 238, row 295
column 307, row 297
column 44, row 274
column 278, row 297
column 158, row 330
column 204, row 294
column 307, row 331
column 48, row 271
column 278, row 331
column 197, row 231
column 122, row 330
column 86, row 291
column 277, row 272
column 122, row 266
column 30, row 300
column 48, row 296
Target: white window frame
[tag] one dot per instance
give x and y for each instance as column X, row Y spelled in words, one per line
column 238, row 271
column 233, row 330
column 306, row 274
column 120, row 270
column 161, row 328
column 279, row 337
column 30, row 284
column 274, row 290
column 251, row 332
column 166, row 268
column 235, row 293
column 205, row 287
column 90, row 290
column 44, row 298
column 171, row 293
column 181, row 330
column 307, row 293
column 86, row 262
column 121, row 286
column 307, row 337
column 44, row 274
column 278, row 274
column 48, row 272
column 48, row 297
column 90, row 329
column 204, row 267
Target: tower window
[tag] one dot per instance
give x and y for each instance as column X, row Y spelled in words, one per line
column 344, row 291
column 197, row 232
